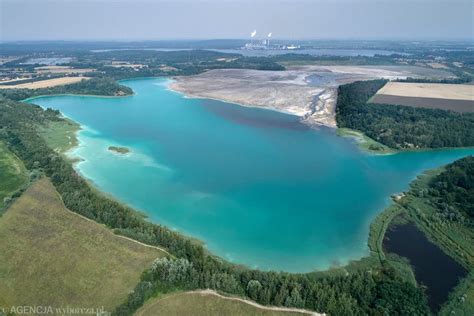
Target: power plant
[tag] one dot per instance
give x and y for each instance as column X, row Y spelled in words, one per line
column 264, row 43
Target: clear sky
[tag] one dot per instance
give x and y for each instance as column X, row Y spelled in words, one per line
column 205, row 19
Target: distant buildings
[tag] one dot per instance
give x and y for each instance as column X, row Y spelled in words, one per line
column 258, row 44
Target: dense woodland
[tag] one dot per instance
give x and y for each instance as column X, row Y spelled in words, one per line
column 379, row 291
column 401, row 127
column 453, row 191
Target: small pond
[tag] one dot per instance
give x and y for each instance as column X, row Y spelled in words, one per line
column 433, row 268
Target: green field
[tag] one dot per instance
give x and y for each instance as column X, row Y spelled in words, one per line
column 13, row 175
column 60, row 135
column 204, row 304
column 53, row 257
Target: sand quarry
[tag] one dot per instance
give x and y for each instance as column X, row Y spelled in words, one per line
column 309, row 92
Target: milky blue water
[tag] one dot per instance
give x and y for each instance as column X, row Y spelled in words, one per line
column 256, row 186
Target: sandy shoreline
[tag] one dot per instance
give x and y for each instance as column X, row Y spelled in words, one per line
column 188, row 95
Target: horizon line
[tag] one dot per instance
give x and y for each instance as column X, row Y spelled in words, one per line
column 391, row 39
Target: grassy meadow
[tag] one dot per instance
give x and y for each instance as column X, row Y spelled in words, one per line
column 53, row 257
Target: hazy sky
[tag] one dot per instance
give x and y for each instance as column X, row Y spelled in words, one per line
column 193, row 19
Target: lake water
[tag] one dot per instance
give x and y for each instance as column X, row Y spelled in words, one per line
column 256, row 186
column 433, row 268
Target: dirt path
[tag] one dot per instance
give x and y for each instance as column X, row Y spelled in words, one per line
column 231, row 298
column 270, row 308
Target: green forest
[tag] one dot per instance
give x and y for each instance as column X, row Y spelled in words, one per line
column 453, row 191
column 401, row 127
column 376, row 291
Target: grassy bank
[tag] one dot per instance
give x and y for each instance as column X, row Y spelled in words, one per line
column 378, row 258
column 365, row 143
column 461, row 300
column 13, row 174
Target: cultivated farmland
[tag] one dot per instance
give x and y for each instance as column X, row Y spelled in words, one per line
column 454, row 97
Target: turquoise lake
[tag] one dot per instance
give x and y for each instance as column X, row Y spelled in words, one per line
column 256, row 186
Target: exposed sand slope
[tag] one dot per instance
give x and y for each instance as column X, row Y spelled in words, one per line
column 284, row 91
column 45, row 83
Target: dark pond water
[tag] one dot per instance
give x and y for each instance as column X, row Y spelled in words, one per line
column 433, row 268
